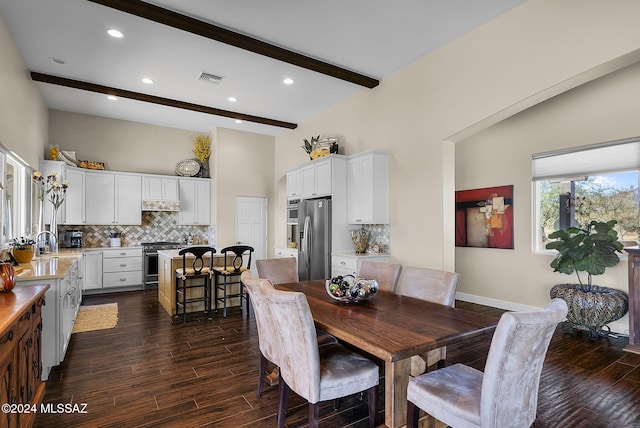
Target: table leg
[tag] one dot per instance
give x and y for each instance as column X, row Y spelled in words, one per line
column 396, row 378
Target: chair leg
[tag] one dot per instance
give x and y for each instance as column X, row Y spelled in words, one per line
column 413, row 415
column 224, row 298
column 184, row 301
column 372, row 402
column 283, row 403
column 207, row 298
column 313, row 415
column 262, row 375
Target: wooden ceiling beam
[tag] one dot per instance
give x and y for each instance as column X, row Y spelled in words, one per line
column 138, row 96
column 242, row 41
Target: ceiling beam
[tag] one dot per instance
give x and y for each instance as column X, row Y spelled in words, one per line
column 123, row 93
column 223, row 35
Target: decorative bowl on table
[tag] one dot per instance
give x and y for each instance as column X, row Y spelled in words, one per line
column 351, row 288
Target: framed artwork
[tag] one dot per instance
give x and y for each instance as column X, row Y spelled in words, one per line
column 484, row 217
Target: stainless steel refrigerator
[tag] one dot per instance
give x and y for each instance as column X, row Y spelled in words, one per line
column 314, row 251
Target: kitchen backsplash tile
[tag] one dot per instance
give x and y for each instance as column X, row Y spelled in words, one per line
column 379, row 234
column 156, row 226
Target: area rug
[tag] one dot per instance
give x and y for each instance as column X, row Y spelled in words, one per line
column 96, row 317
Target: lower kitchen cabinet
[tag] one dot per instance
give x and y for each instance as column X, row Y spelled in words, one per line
column 349, row 263
column 63, row 298
column 92, row 260
column 21, row 353
column 122, row 267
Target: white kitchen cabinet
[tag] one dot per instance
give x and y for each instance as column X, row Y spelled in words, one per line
column 113, row 198
column 121, row 267
column 58, row 314
column 286, row 252
column 316, row 178
column 195, row 201
column 367, row 188
column 349, row 263
column 92, row 276
column 160, row 188
column 294, row 184
column 74, row 207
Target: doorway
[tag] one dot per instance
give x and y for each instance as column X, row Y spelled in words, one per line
column 251, row 226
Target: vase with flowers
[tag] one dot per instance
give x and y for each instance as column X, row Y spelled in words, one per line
column 55, row 191
column 202, row 152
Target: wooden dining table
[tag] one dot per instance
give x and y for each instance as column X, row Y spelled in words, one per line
column 392, row 328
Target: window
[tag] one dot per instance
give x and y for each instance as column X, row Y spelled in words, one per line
column 600, row 182
column 17, row 200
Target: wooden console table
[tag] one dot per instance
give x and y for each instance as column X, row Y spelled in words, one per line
column 634, row 299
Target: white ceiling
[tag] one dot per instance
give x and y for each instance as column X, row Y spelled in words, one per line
column 371, row 37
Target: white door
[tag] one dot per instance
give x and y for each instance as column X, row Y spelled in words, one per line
column 251, row 227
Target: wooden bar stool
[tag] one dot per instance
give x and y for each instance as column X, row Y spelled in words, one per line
column 230, row 275
column 193, row 275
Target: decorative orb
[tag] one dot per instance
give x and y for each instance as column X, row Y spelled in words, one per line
column 349, row 288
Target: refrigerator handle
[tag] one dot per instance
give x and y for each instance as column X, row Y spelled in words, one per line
column 306, row 241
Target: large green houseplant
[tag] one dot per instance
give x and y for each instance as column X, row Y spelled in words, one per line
column 592, row 249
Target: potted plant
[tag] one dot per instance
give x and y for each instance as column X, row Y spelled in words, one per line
column 310, row 145
column 23, row 249
column 591, row 249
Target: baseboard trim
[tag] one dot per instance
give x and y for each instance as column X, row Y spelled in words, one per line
column 616, row 327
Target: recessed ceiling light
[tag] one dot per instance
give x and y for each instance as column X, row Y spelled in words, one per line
column 147, row 81
column 58, row 61
column 237, row 121
column 112, row 97
column 116, row 34
column 232, row 99
column 288, row 81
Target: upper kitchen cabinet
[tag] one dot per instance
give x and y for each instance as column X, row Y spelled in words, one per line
column 74, row 207
column 113, row 198
column 160, row 188
column 72, row 210
column 315, row 178
column 294, row 184
column 367, row 188
column 195, row 201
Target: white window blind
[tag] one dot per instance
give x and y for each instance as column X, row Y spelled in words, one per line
column 615, row 156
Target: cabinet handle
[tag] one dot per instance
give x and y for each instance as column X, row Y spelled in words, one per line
column 342, row 263
column 10, row 336
column 123, row 279
column 123, row 265
column 28, row 316
column 123, row 254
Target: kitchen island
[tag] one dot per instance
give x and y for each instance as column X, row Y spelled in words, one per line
column 61, row 272
column 168, row 262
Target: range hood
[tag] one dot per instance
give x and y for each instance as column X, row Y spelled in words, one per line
column 160, row 205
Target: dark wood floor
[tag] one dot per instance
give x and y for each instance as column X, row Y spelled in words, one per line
column 153, row 371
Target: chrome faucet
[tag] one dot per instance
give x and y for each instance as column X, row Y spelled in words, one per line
column 53, row 242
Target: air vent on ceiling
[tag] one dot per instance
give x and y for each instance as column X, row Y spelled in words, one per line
column 211, row 78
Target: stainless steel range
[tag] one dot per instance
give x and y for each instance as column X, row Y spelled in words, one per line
column 150, row 262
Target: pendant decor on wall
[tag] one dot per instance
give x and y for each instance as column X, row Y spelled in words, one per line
column 484, row 217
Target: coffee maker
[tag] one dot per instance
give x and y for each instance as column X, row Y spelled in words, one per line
column 72, row 239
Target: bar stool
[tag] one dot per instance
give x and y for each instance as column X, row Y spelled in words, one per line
column 230, row 275
column 192, row 275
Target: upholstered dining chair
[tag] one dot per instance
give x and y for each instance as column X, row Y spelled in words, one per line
column 435, row 286
column 276, row 271
column 267, row 341
column 315, row 373
column 192, row 275
column 279, row 270
column 506, row 394
column 229, row 274
column 386, row 274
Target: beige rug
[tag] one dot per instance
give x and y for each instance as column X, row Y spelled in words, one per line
column 96, row 317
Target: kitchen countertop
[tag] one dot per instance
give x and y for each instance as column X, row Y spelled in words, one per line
column 354, row 254
column 48, row 266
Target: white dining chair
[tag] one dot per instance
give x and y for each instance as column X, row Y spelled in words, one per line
column 315, row 373
column 506, row 394
column 435, row 286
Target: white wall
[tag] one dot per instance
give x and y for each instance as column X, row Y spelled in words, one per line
column 602, row 110
column 532, row 52
column 23, row 115
column 242, row 166
column 122, row 145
